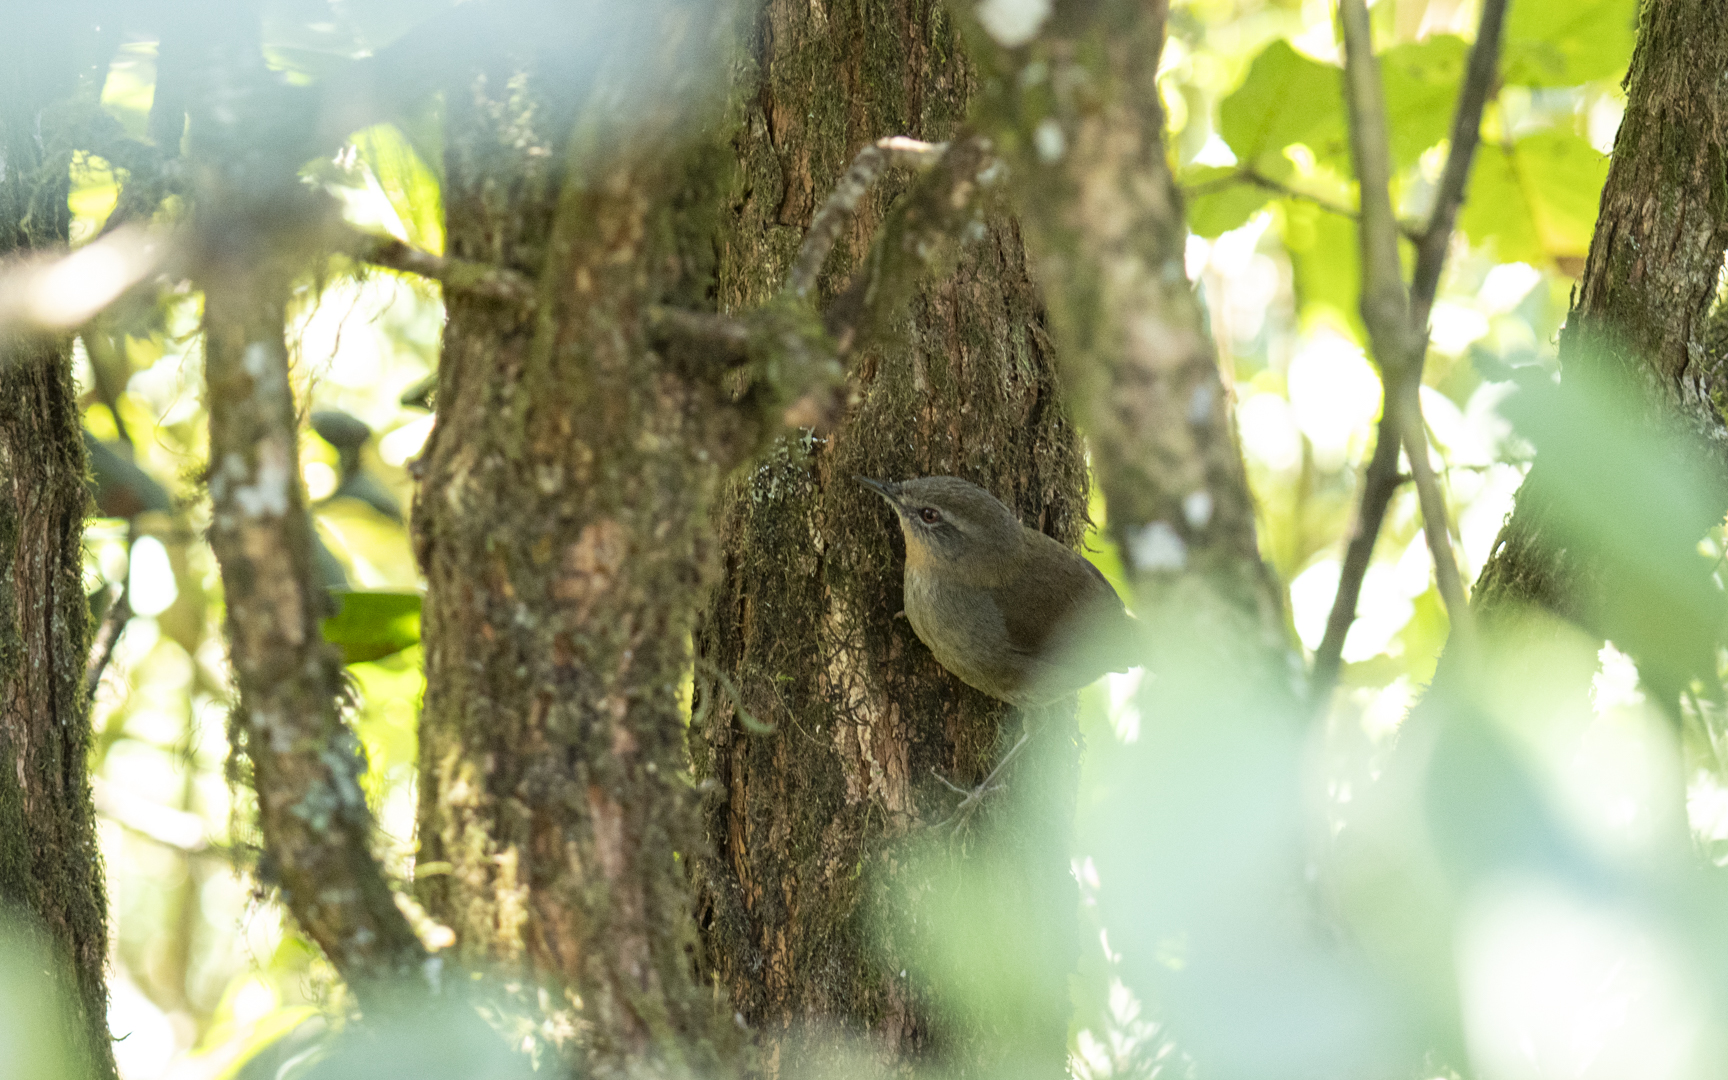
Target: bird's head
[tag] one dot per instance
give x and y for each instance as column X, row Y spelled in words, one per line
column 946, row 519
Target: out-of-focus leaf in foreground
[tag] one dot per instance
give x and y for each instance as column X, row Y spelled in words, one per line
column 1629, row 501
column 31, row 1017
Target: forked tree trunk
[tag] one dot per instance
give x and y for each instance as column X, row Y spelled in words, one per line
column 809, row 824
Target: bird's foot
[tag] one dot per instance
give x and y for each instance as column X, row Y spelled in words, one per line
column 972, row 799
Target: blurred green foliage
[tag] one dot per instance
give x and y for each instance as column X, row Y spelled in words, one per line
column 1506, row 879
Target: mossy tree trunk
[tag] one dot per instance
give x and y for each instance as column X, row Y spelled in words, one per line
column 809, row 825
column 50, row 869
column 1639, row 316
column 563, row 501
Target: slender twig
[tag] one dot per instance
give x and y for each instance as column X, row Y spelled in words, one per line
column 1473, row 97
column 1397, row 339
column 867, row 168
column 725, row 339
column 1247, row 174
column 1381, row 477
column 114, row 622
column 457, row 275
column 810, row 358
column 1379, row 483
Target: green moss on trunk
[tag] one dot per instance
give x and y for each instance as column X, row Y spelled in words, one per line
column 809, row 826
column 51, row 881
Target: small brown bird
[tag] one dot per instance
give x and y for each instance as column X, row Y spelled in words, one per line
column 1009, row 610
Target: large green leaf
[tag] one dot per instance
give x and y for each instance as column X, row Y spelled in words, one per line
column 372, row 625
column 1324, row 261
column 1421, row 81
column 1536, row 200
column 1549, row 43
column 1286, row 98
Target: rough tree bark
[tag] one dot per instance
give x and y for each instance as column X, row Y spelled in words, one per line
column 1640, row 309
column 808, row 824
column 559, row 523
column 50, row 868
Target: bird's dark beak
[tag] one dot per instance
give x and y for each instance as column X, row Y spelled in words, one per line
column 889, row 491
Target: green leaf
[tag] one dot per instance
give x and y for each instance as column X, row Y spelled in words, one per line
column 1537, row 200
column 410, row 185
column 1564, row 44
column 1215, row 203
column 1421, row 81
column 1325, row 262
column 371, row 625
column 1286, row 98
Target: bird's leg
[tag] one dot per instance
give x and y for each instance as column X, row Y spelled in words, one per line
column 970, row 803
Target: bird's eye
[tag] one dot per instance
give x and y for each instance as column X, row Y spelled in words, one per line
column 930, row 514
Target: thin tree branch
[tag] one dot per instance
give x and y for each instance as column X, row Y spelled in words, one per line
column 1479, row 81
column 867, row 168
column 306, row 763
column 114, row 622
column 456, row 275
column 1398, row 343
column 1379, row 484
column 804, row 363
column 1381, row 479
column 1250, row 175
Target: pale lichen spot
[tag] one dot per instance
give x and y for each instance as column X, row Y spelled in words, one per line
column 1200, row 405
column 1197, row 508
column 268, row 494
column 256, row 359
column 1159, row 548
column 1048, row 140
column 1013, row 22
column 589, row 566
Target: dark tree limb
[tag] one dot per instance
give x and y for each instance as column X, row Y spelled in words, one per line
column 456, row 275
column 867, row 168
column 1398, row 325
column 114, row 622
column 250, row 237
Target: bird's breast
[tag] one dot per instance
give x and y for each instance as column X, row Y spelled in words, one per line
column 963, row 629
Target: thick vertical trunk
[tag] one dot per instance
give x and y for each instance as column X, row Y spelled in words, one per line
column 808, row 825
column 50, row 869
column 1640, row 310
column 562, row 502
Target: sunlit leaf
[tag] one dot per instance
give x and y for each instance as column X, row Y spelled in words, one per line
column 408, row 183
column 1216, row 204
column 1536, row 200
column 1421, row 81
column 1324, row 257
column 1287, row 98
column 1564, row 44
column 372, row 625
